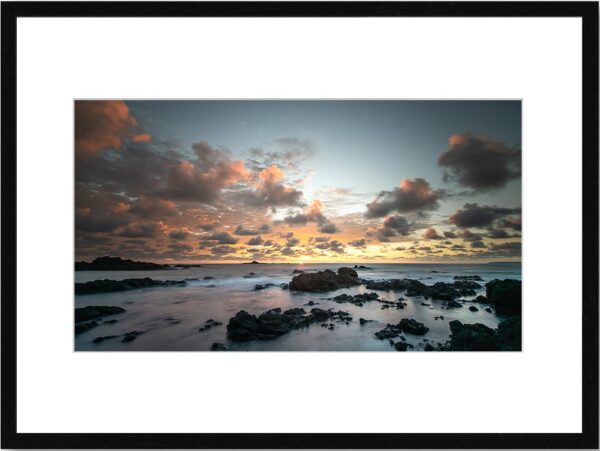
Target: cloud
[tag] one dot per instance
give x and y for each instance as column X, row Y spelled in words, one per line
column 270, row 191
column 512, row 223
column 147, row 207
column 449, row 234
column 291, row 242
column 467, row 235
column 98, row 223
column 358, row 243
column 220, row 238
column 202, row 179
column 479, row 162
column 411, row 196
column 312, row 213
column 142, row 230
column 178, row 235
column 101, row 124
column 432, row 234
column 255, row 241
column 222, row 250
column 333, row 245
column 240, row 230
column 478, row 244
column 473, row 215
column 328, row 227
column 207, row 227
column 392, row 226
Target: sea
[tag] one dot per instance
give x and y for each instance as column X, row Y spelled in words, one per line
column 170, row 317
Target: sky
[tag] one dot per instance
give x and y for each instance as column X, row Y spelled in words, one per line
column 298, row 181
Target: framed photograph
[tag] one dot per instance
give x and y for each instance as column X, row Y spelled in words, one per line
column 300, row 225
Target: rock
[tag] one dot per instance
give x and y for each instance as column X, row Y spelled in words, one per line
column 505, row 295
column 412, row 326
column 508, row 334
column 297, row 271
column 209, row 278
column 295, row 311
column 453, row 304
column 110, row 321
column 439, row 291
column 264, row 286
column 310, row 303
column 481, row 299
column 95, row 312
column 108, row 286
column 362, row 267
column 219, row 347
column 253, row 262
column 272, row 323
column 442, row 291
column 84, row 327
column 284, row 286
column 116, row 264
column 344, row 271
column 251, row 275
column 363, row 321
column 472, row 337
column 474, row 277
column 473, row 308
column 101, row 339
column 130, row 336
column 390, row 331
column 209, row 324
column 325, row 280
column 428, row 347
column 489, row 310
column 400, row 346
column 358, row 299
column 424, row 304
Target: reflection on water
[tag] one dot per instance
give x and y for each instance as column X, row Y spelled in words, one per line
column 171, row 316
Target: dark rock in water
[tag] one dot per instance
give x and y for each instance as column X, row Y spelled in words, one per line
column 130, row 336
column 438, row 291
column 116, row 264
column 95, row 312
column 508, row 334
column 110, row 321
column 505, row 295
column 251, row 275
column 489, row 310
column 454, row 304
column 325, row 280
column 363, row 321
column 344, row 271
column 209, row 324
column 412, row 326
column 481, row 299
column 297, row 271
column 477, row 337
column 362, row 267
column 284, row 286
column 473, row 308
column 475, row 277
column 472, row 337
column 405, row 325
column 108, row 286
column 295, row 311
column 84, row 327
column 311, row 303
column 253, row 262
column 218, row 347
column 358, row 299
column 390, row 331
column 400, row 346
column 428, row 347
column 101, row 339
column 272, row 323
column 209, row 278
column 424, row 304
column 263, row 286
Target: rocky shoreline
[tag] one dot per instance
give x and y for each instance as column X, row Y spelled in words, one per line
column 503, row 296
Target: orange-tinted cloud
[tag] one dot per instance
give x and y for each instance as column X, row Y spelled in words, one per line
column 101, row 124
column 141, row 138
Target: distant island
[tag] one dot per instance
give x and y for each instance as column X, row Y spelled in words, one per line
column 117, row 264
column 253, row 262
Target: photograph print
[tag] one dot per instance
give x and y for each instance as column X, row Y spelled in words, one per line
column 297, row 225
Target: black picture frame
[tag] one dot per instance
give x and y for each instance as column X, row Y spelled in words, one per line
column 588, row 11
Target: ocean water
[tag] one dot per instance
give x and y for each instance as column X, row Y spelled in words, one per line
column 171, row 316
